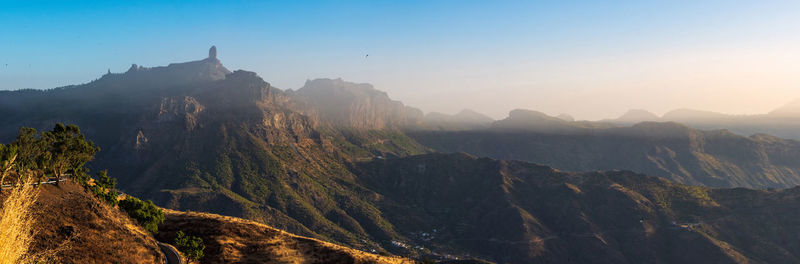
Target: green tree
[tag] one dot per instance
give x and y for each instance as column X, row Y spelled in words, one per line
column 8, row 156
column 146, row 213
column 191, row 246
column 68, row 150
column 32, row 155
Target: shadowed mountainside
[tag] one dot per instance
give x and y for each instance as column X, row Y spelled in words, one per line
column 518, row 212
column 670, row 150
column 194, row 136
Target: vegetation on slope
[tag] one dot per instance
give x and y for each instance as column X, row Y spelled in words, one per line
column 235, row 240
column 70, row 223
column 518, row 212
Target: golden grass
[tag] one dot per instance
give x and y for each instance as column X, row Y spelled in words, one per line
column 16, row 223
column 260, row 243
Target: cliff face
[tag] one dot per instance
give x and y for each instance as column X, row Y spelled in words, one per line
column 345, row 104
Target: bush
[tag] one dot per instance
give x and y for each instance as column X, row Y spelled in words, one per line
column 146, row 213
column 104, row 188
column 191, row 246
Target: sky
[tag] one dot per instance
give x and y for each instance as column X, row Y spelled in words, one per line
column 589, row 59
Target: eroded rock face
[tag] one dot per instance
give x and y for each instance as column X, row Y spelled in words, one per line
column 181, row 109
column 357, row 105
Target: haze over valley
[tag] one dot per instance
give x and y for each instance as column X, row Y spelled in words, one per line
column 351, row 133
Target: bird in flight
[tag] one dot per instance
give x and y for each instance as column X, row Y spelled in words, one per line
column 366, row 56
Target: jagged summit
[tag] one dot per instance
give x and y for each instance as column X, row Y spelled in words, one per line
column 174, row 74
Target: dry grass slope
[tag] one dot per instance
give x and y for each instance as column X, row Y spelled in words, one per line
column 16, row 222
column 235, row 240
column 69, row 225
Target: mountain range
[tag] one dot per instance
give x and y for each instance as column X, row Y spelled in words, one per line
column 783, row 121
column 343, row 162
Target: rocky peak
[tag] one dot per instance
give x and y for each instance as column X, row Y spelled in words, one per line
column 212, row 52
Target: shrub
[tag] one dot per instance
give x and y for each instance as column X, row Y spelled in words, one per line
column 146, row 213
column 104, row 188
column 191, row 246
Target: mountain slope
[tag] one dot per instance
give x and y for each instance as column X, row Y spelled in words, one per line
column 234, row 240
column 669, row 150
column 194, row 136
column 74, row 227
column 517, row 212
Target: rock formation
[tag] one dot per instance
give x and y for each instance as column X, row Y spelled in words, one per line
column 212, row 52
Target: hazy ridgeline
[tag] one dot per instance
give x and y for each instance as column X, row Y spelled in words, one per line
column 343, row 162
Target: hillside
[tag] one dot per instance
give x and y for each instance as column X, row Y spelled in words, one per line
column 75, row 227
column 235, row 240
column 518, row 212
column 673, row 151
column 194, row 136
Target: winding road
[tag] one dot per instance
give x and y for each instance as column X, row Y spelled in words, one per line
column 171, row 254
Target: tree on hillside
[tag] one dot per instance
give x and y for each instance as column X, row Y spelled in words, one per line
column 8, row 155
column 145, row 212
column 68, row 150
column 32, row 156
column 191, row 246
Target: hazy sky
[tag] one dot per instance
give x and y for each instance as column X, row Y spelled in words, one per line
column 591, row 60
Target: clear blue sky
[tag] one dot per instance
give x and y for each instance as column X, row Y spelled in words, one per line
column 589, row 59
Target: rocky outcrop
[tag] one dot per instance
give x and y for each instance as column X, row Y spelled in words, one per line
column 344, row 104
column 212, row 53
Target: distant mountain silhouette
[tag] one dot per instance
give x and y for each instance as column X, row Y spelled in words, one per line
column 530, row 120
column 791, row 109
column 634, row 116
column 671, row 150
column 783, row 121
column 463, row 120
